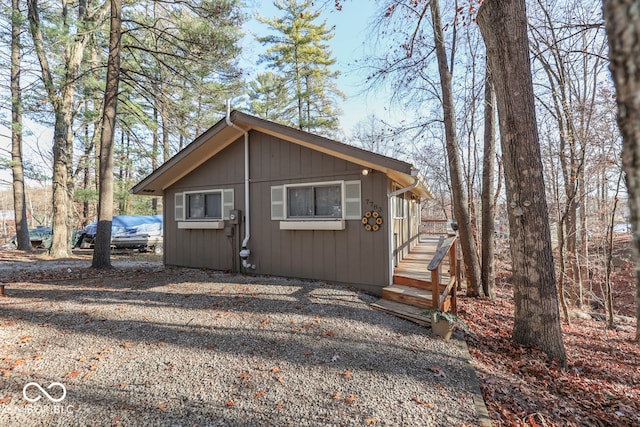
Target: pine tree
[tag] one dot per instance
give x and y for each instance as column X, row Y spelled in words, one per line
column 268, row 98
column 298, row 53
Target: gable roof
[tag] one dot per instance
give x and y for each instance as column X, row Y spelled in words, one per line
column 220, row 135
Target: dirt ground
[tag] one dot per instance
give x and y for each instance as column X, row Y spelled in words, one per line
column 145, row 345
column 520, row 385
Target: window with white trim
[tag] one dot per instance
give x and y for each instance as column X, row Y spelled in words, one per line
column 398, row 204
column 330, row 200
column 203, row 205
column 314, row 201
column 210, row 205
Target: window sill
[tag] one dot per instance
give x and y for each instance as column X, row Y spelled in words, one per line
column 198, row 225
column 312, row 225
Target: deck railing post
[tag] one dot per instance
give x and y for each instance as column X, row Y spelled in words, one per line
column 453, row 271
column 435, row 288
column 453, row 264
column 454, row 300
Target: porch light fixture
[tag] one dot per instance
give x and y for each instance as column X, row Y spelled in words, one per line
column 366, row 172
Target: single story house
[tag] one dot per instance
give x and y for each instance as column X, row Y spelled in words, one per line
column 250, row 195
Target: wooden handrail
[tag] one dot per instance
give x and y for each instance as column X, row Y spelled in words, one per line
column 440, row 253
column 447, row 247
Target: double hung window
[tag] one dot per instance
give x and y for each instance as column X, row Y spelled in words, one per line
column 314, row 201
column 204, row 205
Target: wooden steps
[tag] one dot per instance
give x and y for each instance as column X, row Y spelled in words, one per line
column 404, row 311
column 411, row 281
column 411, row 292
column 408, row 295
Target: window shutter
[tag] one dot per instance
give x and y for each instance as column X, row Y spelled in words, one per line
column 179, row 207
column 277, row 202
column 352, row 206
column 227, row 202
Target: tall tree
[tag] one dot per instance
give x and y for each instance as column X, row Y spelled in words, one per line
column 102, row 250
column 622, row 19
column 19, row 198
column 268, row 95
column 414, row 85
column 179, row 64
column 61, row 94
column 298, row 50
column 460, row 196
column 569, row 56
column 503, row 24
column 488, row 184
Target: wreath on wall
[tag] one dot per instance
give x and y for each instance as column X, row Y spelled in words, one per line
column 372, row 221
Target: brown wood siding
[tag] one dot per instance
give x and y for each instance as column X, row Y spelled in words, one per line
column 204, row 248
column 352, row 256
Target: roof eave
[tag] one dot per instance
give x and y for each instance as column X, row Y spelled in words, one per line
column 200, row 150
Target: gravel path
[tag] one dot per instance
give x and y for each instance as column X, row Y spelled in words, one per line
column 147, row 345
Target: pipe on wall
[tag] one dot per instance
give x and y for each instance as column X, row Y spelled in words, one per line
column 244, row 251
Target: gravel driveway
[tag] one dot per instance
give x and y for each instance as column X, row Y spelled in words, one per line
column 146, row 345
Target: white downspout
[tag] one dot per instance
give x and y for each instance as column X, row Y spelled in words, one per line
column 244, row 252
column 390, row 196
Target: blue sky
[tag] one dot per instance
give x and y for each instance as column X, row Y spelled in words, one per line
column 352, row 41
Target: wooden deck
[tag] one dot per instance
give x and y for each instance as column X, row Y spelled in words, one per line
column 412, row 270
column 411, row 292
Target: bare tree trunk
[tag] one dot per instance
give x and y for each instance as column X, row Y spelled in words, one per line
column 460, row 198
column 19, row 198
column 609, row 257
column 102, row 251
column 62, row 100
column 488, row 184
column 583, row 249
column 503, row 24
column 562, row 269
column 622, row 19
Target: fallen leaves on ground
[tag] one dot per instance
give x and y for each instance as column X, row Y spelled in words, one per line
column 350, row 399
column 523, row 387
column 73, row 374
column 25, row 339
column 422, row 403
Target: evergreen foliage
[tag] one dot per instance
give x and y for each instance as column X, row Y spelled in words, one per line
column 306, row 93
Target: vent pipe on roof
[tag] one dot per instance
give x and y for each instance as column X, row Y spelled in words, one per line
column 244, row 251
